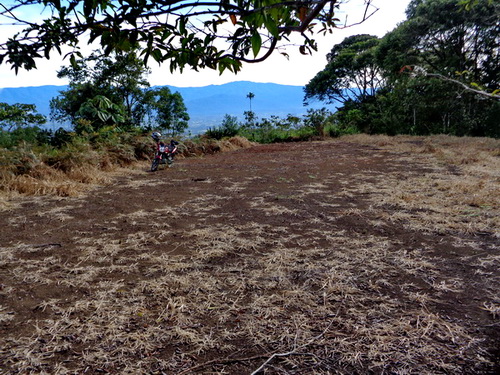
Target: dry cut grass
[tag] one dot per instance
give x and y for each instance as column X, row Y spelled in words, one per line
column 458, row 193
column 285, row 289
column 265, row 293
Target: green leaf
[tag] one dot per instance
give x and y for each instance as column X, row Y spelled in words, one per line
column 272, row 26
column 157, row 55
column 256, row 43
column 103, row 116
column 72, row 61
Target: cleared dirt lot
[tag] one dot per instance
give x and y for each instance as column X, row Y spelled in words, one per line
column 333, row 257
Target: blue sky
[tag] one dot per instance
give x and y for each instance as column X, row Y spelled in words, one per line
column 297, row 70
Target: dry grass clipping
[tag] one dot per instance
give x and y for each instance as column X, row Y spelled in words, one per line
column 307, row 308
column 459, row 193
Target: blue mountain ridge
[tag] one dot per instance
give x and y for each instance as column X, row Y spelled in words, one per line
column 206, row 105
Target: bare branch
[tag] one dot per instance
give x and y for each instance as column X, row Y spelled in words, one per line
column 366, row 16
column 421, row 71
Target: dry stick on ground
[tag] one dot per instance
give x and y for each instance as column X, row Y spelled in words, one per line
column 220, row 361
column 292, row 352
column 47, row 245
column 274, row 355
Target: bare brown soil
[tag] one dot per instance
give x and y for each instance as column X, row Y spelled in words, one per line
column 332, row 257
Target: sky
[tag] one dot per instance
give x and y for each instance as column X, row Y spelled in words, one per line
column 297, row 70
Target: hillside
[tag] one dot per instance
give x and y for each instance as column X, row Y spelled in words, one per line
column 206, row 105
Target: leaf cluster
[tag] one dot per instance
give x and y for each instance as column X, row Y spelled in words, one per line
column 218, row 34
column 18, row 115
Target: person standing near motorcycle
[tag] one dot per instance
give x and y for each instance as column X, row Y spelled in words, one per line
column 157, row 138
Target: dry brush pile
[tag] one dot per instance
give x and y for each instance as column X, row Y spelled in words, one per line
column 334, row 257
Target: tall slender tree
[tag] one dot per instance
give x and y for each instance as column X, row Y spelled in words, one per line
column 250, row 96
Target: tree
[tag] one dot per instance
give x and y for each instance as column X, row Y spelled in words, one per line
column 443, row 38
column 170, row 111
column 228, row 128
column 218, row 34
column 19, row 115
column 441, row 66
column 434, row 73
column 250, row 119
column 351, row 72
column 250, row 96
column 317, row 119
column 104, row 91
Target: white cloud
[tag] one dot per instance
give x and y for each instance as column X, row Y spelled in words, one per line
column 297, row 70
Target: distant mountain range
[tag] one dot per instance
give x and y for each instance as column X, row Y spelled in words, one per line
column 206, row 105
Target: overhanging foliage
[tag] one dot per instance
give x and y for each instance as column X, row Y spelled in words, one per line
column 218, row 34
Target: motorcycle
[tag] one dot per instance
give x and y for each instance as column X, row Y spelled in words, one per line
column 162, row 156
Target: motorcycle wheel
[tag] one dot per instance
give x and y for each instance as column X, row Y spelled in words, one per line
column 154, row 165
column 170, row 161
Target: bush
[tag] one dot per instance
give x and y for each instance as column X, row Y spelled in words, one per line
column 228, row 128
column 337, row 130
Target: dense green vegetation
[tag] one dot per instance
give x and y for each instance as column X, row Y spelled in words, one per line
column 437, row 72
column 17, row 115
column 111, row 109
column 106, row 91
column 316, row 123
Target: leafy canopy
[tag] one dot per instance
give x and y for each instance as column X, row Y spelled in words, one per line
column 351, row 72
column 218, row 34
column 170, row 112
column 443, row 37
column 19, row 115
column 103, row 91
column 437, row 72
column 114, row 91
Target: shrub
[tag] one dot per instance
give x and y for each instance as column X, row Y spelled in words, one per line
column 228, row 128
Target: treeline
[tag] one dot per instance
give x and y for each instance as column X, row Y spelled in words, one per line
column 436, row 73
column 316, row 123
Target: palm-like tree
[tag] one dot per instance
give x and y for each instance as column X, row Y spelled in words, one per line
column 250, row 96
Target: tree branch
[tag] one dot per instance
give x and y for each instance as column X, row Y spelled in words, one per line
column 422, row 71
column 366, row 16
column 274, row 42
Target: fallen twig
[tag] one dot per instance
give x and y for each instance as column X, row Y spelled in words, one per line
column 292, row 352
column 220, row 361
column 47, row 245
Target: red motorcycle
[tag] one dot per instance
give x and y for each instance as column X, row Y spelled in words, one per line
column 163, row 155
